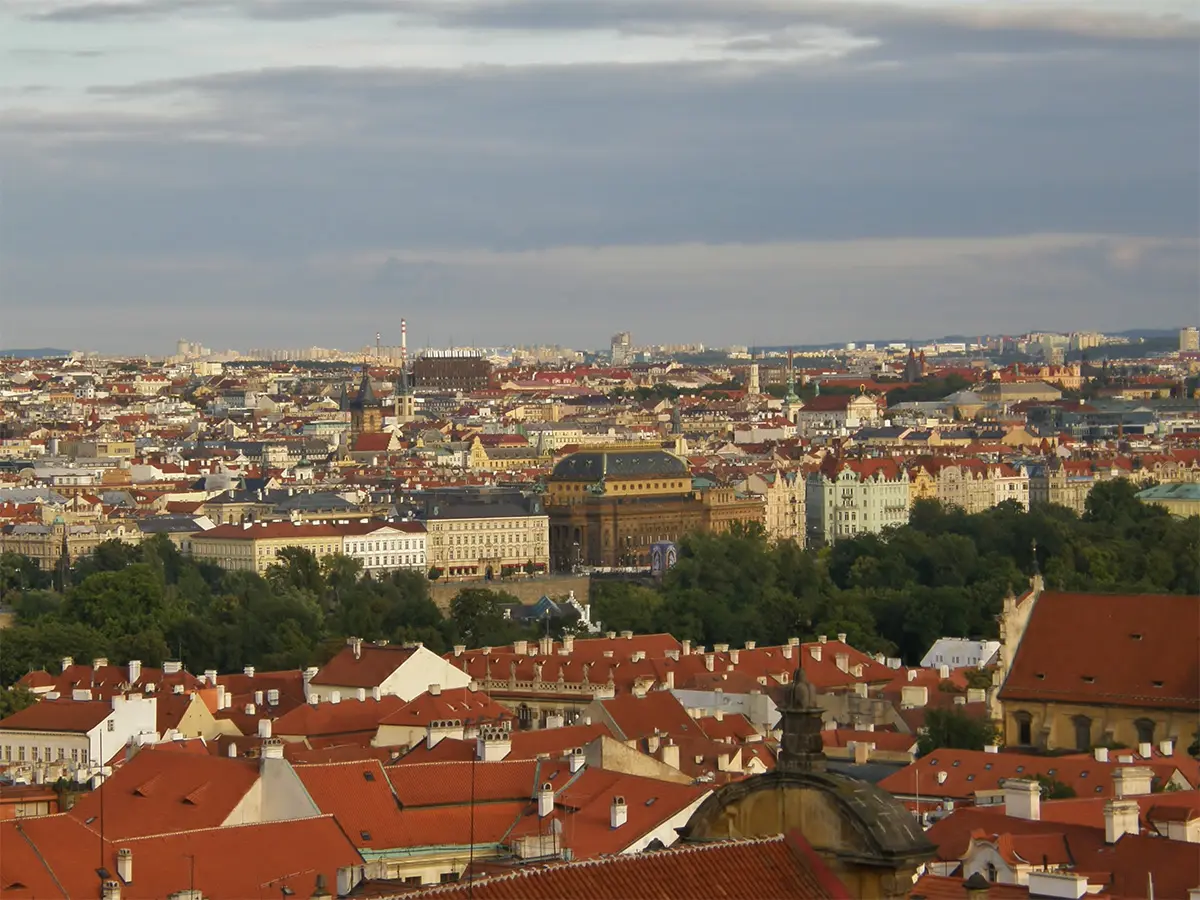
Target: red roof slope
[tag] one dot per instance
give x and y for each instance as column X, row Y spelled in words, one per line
column 343, row 717
column 369, row 669
column 1123, row 650
column 734, row 870
column 77, row 716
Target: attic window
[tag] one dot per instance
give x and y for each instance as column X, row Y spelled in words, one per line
column 650, row 802
column 1020, row 769
column 1041, row 676
column 955, row 763
column 365, row 835
column 987, row 766
column 369, row 776
column 1090, row 679
column 1157, row 683
column 1099, row 788
column 1136, row 637
column 970, row 778
column 1083, row 774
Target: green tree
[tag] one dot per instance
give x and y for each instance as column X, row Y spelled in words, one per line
column 954, row 729
column 478, row 618
column 118, row 602
column 298, row 568
column 14, row 700
column 1053, row 789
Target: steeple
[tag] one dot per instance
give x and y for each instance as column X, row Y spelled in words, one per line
column 791, row 402
column 801, row 748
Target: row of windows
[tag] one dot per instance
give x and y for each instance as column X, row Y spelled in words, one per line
column 43, row 754
column 490, row 525
column 407, row 559
column 376, row 546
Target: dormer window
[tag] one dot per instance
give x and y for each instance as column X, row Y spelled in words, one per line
column 1136, row 636
column 1089, row 679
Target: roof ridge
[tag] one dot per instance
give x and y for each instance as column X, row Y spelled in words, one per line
column 221, row 828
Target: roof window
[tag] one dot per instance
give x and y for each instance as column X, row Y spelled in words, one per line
column 369, row 776
column 1157, row 683
column 1020, row 769
column 365, row 835
column 1136, row 636
column 650, row 802
column 1041, row 676
column 1083, row 774
column 1090, row 679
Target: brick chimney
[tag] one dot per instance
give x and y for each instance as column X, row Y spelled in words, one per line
column 125, row 864
column 545, row 800
column 619, row 812
column 1120, row 818
column 1023, row 799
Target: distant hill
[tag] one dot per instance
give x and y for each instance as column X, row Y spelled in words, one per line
column 36, row 353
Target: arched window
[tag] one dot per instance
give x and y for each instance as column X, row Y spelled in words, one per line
column 1145, row 730
column 992, row 872
column 1083, row 732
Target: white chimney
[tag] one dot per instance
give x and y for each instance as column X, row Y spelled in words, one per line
column 943, row 672
column 81, row 694
column 231, row 750
column 210, row 675
column 733, row 656
column 177, row 689
column 913, row 696
column 687, row 647
column 1066, row 885
column 272, row 748
column 360, row 695
column 816, row 652
column 110, row 890
column 375, row 693
column 1023, row 799
column 991, row 748
column 249, row 709
column 258, row 697
column 942, row 776
column 521, row 648
column 545, row 800
column 1120, row 819
column 862, row 752
column 335, row 696
column 273, row 697
column 787, row 651
column 669, row 753
column 99, row 662
column 135, row 671
column 575, row 760
column 1132, row 781
column 125, row 864
column 314, row 699
column 172, row 667
column 67, row 662
column 670, row 680
column 1101, row 754
column 1166, row 748
column 264, row 728
column 619, row 813
column 822, row 638
column 842, row 661
column 460, row 649
column 435, row 689
column 750, row 645
column 976, row 695
column 1145, row 749
column 248, row 671
column 709, row 661
column 841, row 637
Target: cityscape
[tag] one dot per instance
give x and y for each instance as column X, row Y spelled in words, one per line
column 600, row 450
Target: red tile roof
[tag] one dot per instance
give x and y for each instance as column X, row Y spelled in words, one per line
column 735, row 870
column 942, row 887
column 76, row 716
column 641, row 716
column 341, row 718
column 370, row 669
column 359, row 796
column 449, row 783
column 158, row 791
column 453, row 703
column 1122, row 650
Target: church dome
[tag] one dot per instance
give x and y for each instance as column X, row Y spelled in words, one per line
column 592, row 465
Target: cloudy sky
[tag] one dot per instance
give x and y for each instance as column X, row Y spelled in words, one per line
column 298, row 172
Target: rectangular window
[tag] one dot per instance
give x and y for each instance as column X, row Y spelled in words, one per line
column 21, row 753
column 112, row 724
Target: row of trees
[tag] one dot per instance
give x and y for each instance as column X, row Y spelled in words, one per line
column 152, row 603
column 945, row 573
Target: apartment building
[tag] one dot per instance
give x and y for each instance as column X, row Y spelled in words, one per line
column 380, row 546
column 851, row 497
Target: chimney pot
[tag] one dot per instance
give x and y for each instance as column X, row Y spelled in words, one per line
column 264, row 728
column 1101, row 754
column 619, row 813
column 841, row 637
column 125, row 864
column 272, row 748
column 248, row 671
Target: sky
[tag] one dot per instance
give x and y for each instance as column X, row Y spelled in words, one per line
column 290, row 173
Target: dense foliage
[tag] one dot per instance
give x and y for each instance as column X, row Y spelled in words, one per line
column 956, row 730
column 946, row 573
column 150, row 602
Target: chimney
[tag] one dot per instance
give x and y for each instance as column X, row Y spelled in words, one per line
column 568, row 643
column 125, row 864
column 943, row 672
column 611, row 635
column 110, row 890
column 67, row 662
column 258, row 698
column 435, row 690
column 460, row 649
column 913, row 696
column 335, row 696
column 750, row 645
column 822, row 638
column 686, row 644
column 815, row 652
column 911, row 674
column 99, row 662
column 248, row 671
column 787, row 651
column 669, row 753
column 575, row 760
column 545, row 800
column 1145, row 749
column 976, row 695
column 1023, row 799
column 841, row 637
column 709, row 661
column 619, row 813
column 135, row 670
column 521, row 648
column 1120, row 819
column 272, row 748
column 81, row 694
column 264, row 728
column 652, row 744
column 546, row 645
column 376, row 693
column 360, row 695
column 177, row 689
column 627, row 635
column 862, row 752
column 1058, row 884
column 231, row 750
column 1101, row 754
column 1166, row 748
column 210, row 676
column 842, row 661
column 1132, row 781
column 249, row 709
column 172, row 667
column 733, row 656
column 314, row 699
column 273, row 697
column 357, row 648
column 991, row 748
column 670, row 680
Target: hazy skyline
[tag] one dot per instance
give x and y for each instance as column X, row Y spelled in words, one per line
column 297, row 172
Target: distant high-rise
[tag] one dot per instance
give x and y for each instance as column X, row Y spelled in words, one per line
column 622, row 349
column 1189, row 339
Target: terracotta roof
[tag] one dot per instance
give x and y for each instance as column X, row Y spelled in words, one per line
column 158, row 791
column 452, row 703
column 1122, row 650
column 656, row 712
column 341, row 718
column 942, row 887
column 370, row 669
column 77, row 716
column 360, row 797
column 735, row 870
column 449, row 783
